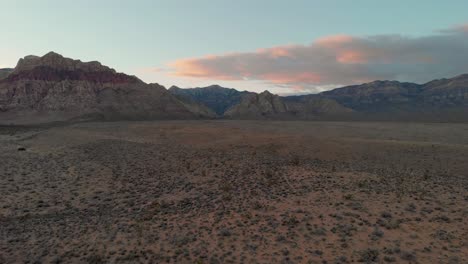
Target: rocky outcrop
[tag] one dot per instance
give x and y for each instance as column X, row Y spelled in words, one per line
column 55, row 68
column 253, row 106
column 57, row 88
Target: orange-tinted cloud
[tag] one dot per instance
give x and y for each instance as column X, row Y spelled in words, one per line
column 193, row 68
column 338, row 60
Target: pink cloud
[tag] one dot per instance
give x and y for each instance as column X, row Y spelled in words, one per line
column 338, row 60
column 193, row 68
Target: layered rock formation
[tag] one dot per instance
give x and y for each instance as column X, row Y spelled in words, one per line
column 54, row 88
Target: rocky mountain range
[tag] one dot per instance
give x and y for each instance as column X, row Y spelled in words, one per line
column 232, row 104
column 55, row 88
column 439, row 100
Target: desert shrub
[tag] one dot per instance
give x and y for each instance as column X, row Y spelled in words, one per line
column 369, row 255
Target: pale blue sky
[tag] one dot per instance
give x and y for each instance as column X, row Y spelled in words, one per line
column 139, row 34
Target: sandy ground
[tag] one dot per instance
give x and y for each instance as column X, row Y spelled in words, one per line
column 234, row 192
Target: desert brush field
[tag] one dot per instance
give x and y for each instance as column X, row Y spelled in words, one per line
column 234, row 192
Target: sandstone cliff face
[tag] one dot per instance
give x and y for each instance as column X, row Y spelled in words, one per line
column 62, row 89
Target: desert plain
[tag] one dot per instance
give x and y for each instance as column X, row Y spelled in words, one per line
column 234, row 192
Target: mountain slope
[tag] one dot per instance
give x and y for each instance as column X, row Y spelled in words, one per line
column 315, row 107
column 196, row 107
column 5, row 72
column 446, row 92
column 376, row 96
column 56, row 88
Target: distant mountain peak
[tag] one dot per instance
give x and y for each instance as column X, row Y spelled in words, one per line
column 216, row 86
column 266, row 92
column 53, row 54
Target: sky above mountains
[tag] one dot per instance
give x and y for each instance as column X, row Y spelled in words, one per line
column 283, row 46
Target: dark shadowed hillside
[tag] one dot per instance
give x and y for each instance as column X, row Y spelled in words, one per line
column 217, row 98
column 4, row 72
column 312, row 106
column 375, row 96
